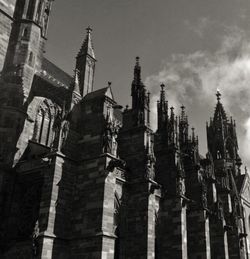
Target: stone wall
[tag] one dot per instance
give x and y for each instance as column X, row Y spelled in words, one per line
column 6, row 13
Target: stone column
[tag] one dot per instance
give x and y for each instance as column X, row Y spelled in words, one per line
column 198, row 235
column 139, row 233
column 219, row 242
column 173, row 229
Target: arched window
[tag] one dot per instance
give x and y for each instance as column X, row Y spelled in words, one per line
column 230, row 149
column 39, row 11
column 25, row 33
column 31, row 56
column 31, row 9
column 43, row 129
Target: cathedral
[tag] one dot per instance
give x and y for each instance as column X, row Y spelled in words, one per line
column 81, row 177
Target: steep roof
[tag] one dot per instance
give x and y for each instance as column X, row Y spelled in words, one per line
column 106, row 91
column 55, row 73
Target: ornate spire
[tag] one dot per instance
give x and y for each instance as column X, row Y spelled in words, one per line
column 218, row 94
column 85, row 63
column 162, row 93
column 183, row 127
column 87, row 46
column 162, row 111
column 137, row 71
column 183, row 113
column 140, row 97
column 221, row 134
column 219, row 114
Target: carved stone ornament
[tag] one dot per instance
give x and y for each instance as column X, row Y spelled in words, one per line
column 110, row 137
column 64, row 134
column 180, row 187
column 35, row 235
column 150, row 163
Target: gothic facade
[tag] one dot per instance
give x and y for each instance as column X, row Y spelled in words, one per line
column 81, row 177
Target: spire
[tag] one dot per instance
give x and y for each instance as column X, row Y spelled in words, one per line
column 183, row 127
column 221, row 134
column 140, row 97
column 85, row 63
column 219, row 115
column 163, row 94
column 137, row 71
column 138, row 90
column 162, row 110
column 183, row 113
column 87, row 46
column 193, row 134
column 218, row 94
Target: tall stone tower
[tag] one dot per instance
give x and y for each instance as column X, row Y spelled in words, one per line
column 136, row 148
column 223, row 147
column 7, row 8
column 23, row 59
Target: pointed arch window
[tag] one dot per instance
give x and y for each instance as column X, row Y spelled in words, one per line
column 31, row 9
column 25, row 33
column 43, row 129
column 39, row 11
column 31, row 58
column 230, row 152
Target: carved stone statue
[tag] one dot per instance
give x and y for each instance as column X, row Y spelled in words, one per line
column 110, row 137
column 63, row 134
column 180, row 187
column 45, row 18
column 150, row 161
column 35, row 244
column 107, row 139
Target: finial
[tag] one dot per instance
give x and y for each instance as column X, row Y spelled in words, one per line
column 137, row 60
column 89, row 30
column 109, row 83
column 183, row 108
column 162, row 87
column 218, row 94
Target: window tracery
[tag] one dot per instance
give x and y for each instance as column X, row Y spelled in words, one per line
column 44, row 130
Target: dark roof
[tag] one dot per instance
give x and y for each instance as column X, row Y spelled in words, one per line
column 99, row 93
column 56, row 72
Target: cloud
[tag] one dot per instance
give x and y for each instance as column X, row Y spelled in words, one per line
column 192, row 80
column 200, row 26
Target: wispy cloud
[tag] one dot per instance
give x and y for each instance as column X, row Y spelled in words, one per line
column 199, row 26
column 193, row 79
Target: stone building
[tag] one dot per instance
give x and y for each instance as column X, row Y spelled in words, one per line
column 81, row 177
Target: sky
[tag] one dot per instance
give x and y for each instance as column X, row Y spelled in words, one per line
column 194, row 47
